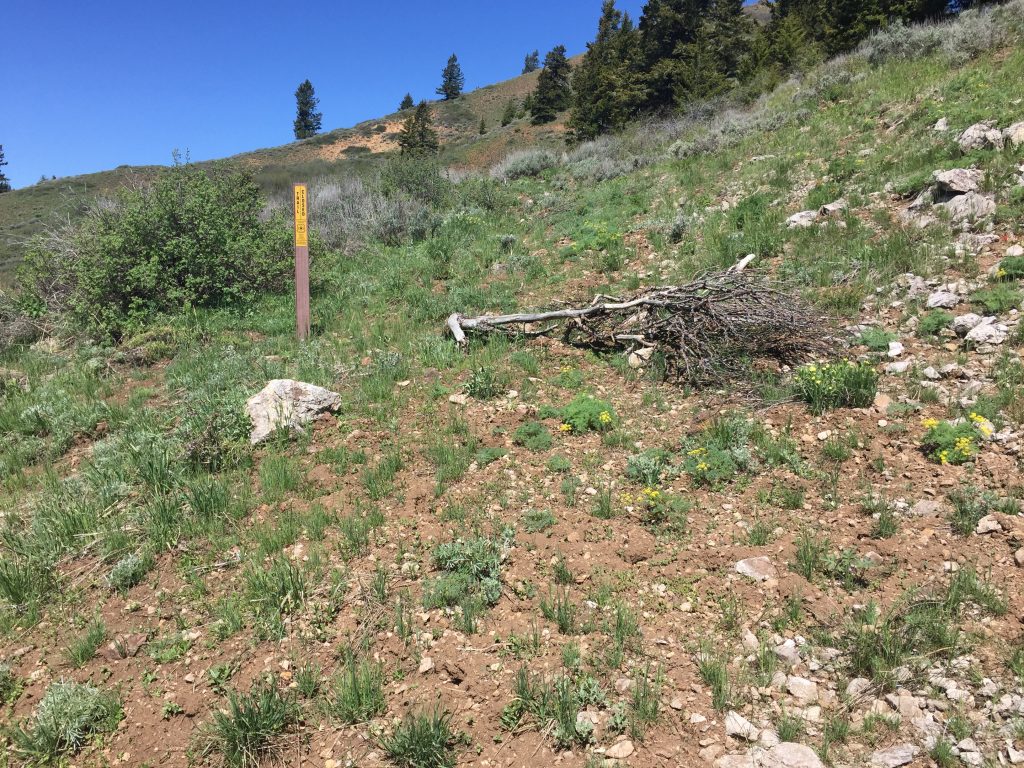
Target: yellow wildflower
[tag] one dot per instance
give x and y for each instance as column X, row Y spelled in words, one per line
column 930, row 423
column 605, row 417
column 703, row 466
column 565, row 427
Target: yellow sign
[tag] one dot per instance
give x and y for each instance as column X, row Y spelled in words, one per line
column 301, row 217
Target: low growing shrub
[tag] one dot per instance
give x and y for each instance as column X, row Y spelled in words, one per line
column 837, row 385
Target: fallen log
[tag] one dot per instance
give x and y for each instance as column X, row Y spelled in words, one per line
column 706, row 330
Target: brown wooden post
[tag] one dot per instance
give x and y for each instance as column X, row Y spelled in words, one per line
column 302, row 261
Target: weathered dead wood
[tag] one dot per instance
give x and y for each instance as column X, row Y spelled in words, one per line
column 705, row 330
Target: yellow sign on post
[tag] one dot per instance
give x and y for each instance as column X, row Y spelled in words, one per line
column 301, row 217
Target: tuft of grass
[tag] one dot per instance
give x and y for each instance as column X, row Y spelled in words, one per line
column 559, row 608
column 249, row 731
column 379, row 480
column 81, row 651
column 422, row 740
column 715, row 674
column 358, row 691
column 537, row 520
column 533, row 435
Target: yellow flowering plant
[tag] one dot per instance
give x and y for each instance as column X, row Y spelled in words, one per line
column 946, row 443
column 837, row 385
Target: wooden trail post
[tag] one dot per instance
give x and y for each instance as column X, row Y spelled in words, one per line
column 302, row 261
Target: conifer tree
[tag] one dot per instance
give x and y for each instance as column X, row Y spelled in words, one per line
column 307, row 119
column 483, row 126
column 553, row 92
column 5, row 184
column 531, row 63
column 452, row 80
column 510, row 112
column 607, row 91
column 407, row 103
column 418, row 135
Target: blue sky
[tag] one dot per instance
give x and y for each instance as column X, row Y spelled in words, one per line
column 90, row 86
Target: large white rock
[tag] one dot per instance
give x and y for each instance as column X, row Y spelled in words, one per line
column 802, row 220
column 757, row 568
column 966, row 322
column 803, row 689
column 980, row 136
column 789, row 754
column 943, row 300
column 894, row 757
column 959, row 180
column 1014, row 135
column 738, row 726
column 987, row 333
column 287, row 404
column 969, row 207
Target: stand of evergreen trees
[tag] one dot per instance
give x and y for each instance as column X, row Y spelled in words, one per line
column 682, row 51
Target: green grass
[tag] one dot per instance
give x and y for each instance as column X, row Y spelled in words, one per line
column 67, row 717
column 81, row 651
column 422, row 740
column 357, row 694
column 249, row 730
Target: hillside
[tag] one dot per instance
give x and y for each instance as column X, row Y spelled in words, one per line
column 536, row 552
column 30, row 210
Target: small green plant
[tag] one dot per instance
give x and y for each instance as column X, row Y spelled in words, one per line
column 130, row 571
column 559, row 464
column 715, row 674
column 603, row 509
column 710, row 466
column 219, row 675
column 422, row 740
column 997, row 299
column 837, row 385
column 81, row 651
column 876, row 339
column 810, row 554
column 934, row 322
column 946, row 443
column 68, row 715
column 563, row 575
column 9, row 684
column 587, row 414
column 789, row 727
column 648, row 467
column 484, row 383
column 533, row 435
column 536, row 520
column 488, row 455
column 250, row 729
column 559, row 608
column 761, row 532
column 886, row 524
column 1011, row 268
column 471, row 572
column 379, row 480
column 358, row 691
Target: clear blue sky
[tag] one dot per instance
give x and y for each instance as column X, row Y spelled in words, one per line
column 90, row 86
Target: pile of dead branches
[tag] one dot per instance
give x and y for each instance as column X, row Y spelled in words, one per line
column 708, row 330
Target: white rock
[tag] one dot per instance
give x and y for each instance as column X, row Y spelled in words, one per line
column 1015, row 757
column 738, row 726
column 426, row 665
column 901, row 366
column 896, row 349
column 893, row 757
column 802, row 220
column 987, row 333
column 620, row 750
column 287, row 404
column 926, row 508
column 980, row 136
column 1015, row 250
column 735, row 761
column 833, row 208
column 943, row 299
column 788, row 652
column 857, row 686
column 757, row 568
column 969, row 207
column 959, row 180
column 789, row 755
column 1018, row 557
column 965, row 323
column 988, row 524
column 804, row 690
column 750, row 641
column 942, row 124
column 1014, row 135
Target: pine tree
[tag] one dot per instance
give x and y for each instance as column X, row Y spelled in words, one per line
column 531, row 63
column 511, row 108
column 407, row 103
column 666, row 28
column 553, row 92
column 5, row 184
column 418, row 135
column 483, row 126
column 607, row 90
column 307, row 119
column 452, row 79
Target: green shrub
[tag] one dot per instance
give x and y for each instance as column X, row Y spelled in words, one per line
column 934, row 322
column 586, row 413
column 471, row 573
column 129, row 571
column 250, row 728
column 876, row 339
column 1011, row 268
column 709, row 466
column 997, row 298
column 837, row 385
column 190, row 239
column 945, row 443
column 647, row 468
column 67, row 716
column 533, row 435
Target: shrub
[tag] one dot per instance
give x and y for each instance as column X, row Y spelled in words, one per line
column 523, row 163
column 998, row 298
column 533, row 435
column 1011, row 268
column 647, row 467
column 836, row 385
column 709, row 466
column 934, row 322
column 586, row 413
column 947, row 443
column 67, row 716
column 129, row 571
column 191, row 239
column 876, row 339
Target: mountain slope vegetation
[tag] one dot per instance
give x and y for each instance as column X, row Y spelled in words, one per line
column 530, row 551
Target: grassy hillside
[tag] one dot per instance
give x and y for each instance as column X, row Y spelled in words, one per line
column 534, row 552
column 28, row 211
